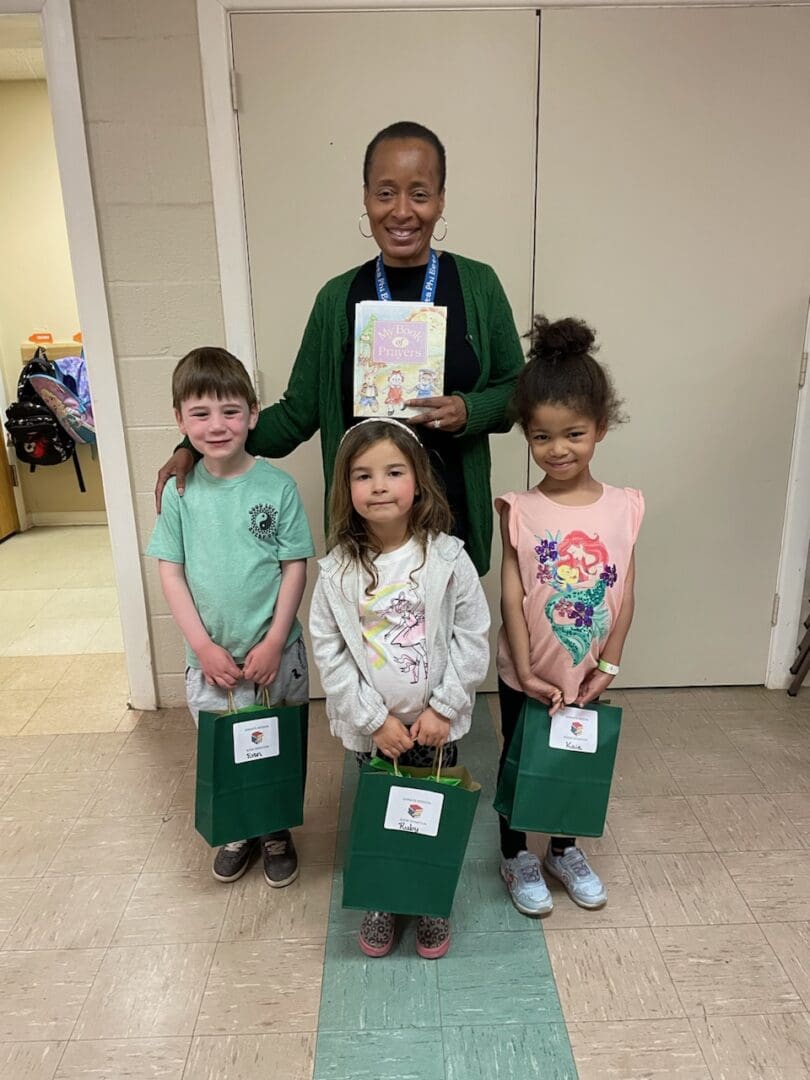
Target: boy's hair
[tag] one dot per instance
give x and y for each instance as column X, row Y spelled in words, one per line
column 211, row 372
column 348, row 531
column 562, row 371
column 407, row 129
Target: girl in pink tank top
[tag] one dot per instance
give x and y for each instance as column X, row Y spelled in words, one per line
column 566, row 578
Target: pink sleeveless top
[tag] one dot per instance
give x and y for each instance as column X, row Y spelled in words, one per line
column 573, row 563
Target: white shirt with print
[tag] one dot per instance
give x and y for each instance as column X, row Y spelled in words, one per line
column 392, row 620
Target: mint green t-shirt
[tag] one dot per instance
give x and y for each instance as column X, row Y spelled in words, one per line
column 231, row 536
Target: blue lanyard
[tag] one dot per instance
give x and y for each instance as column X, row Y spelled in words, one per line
column 428, row 288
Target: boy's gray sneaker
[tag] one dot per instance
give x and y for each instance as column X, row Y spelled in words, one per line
column 280, row 859
column 232, row 860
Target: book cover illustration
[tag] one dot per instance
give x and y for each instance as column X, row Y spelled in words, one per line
column 398, row 354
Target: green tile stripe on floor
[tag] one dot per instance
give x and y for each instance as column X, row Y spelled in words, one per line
column 488, row 1009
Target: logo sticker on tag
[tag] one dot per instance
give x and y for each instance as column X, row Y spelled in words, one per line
column 575, row 729
column 255, row 739
column 413, row 810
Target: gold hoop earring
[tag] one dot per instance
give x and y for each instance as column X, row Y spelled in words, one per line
column 439, row 239
column 366, row 236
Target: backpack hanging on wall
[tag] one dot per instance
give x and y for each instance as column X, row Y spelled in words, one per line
column 36, row 434
column 66, row 392
column 73, row 373
column 65, row 405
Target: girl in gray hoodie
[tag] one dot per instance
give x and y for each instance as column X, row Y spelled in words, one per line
column 399, row 622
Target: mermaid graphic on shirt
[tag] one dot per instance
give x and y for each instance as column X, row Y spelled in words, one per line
column 578, row 569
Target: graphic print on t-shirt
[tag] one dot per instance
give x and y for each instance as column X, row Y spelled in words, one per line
column 392, row 621
column 263, row 519
column 578, row 568
column 394, row 630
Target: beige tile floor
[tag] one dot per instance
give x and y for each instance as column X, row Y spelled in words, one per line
column 61, row 652
column 699, row 966
column 119, row 954
column 57, row 593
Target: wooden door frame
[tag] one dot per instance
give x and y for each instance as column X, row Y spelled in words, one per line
column 64, row 95
column 213, row 18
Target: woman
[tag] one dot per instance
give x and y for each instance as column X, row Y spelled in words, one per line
column 403, row 192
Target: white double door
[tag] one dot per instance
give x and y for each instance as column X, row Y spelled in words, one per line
column 661, row 191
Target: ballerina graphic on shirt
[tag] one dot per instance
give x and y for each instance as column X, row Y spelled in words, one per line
column 408, row 634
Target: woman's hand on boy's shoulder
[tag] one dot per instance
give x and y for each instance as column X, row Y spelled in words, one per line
column 179, row 465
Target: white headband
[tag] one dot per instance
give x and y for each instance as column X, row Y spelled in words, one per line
column 382, row 420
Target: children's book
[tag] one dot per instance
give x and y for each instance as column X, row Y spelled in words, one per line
column 398, row 354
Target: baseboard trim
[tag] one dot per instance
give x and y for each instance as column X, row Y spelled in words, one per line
column 68, row 517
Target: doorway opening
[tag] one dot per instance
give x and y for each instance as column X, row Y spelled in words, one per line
column 69, row 593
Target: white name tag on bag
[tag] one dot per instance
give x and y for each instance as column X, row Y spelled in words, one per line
column 575, row 729
column 255, row 739
column 414, row 810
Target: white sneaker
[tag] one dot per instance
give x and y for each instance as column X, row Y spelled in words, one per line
column 524, row 880
column 584, row 886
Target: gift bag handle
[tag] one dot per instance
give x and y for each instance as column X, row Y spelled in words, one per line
column 437, row 762
column 265, row 700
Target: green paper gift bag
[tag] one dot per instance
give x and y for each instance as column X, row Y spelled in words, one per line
column 407, row 839
column 251, row 771
column 561, row 792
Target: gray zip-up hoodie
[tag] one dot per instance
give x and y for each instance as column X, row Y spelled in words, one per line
column 456, row 629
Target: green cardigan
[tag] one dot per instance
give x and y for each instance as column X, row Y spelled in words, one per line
column 312, row 400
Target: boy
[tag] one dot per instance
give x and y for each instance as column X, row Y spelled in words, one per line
column 233, row 554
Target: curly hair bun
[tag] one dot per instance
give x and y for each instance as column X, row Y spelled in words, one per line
column 556, row 342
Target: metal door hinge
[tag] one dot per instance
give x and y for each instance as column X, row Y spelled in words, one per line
column 775, row 610
column 234, row 90
column 803, row 369
column 14, row 479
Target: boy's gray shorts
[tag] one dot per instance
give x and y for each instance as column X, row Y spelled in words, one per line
column 290, row 686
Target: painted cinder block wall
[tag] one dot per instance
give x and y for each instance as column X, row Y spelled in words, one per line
column 141, row 84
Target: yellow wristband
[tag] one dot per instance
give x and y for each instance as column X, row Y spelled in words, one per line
column 609, row 669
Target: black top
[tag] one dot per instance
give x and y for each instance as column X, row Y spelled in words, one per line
column 461, row 367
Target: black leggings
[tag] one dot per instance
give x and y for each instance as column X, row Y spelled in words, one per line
column 512, row 841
